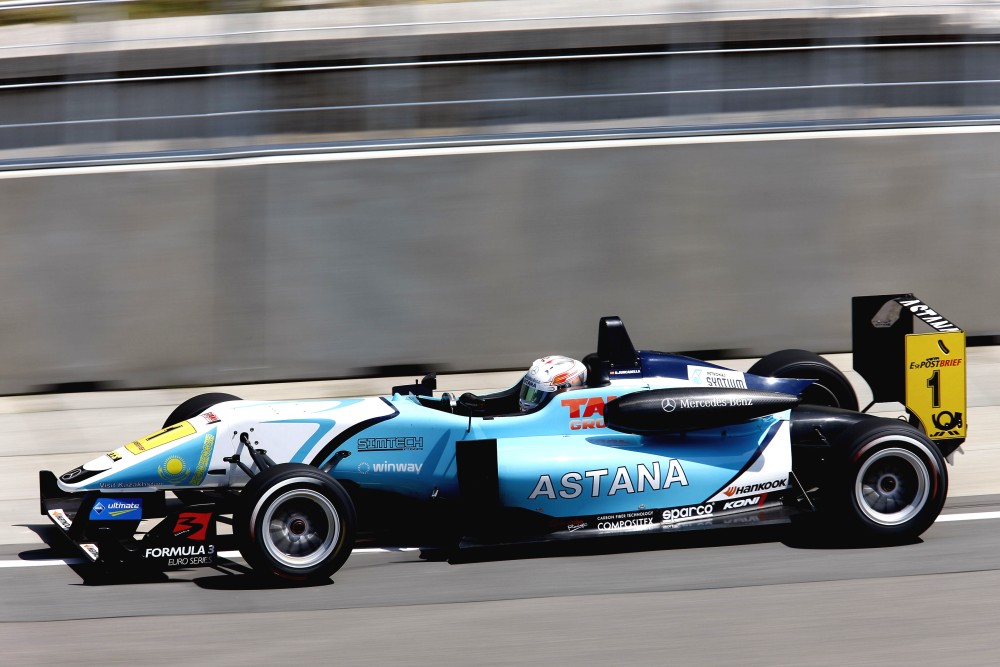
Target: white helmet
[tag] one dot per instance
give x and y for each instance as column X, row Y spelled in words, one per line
column 547, row 377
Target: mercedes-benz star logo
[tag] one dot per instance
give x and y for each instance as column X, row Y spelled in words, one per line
column 669, row 405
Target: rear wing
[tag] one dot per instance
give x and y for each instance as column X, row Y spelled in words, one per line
column 924, row 371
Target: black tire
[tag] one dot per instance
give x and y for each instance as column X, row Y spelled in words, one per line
column 195, row 405
column 831, row 387
column 890, row 485
column 294, row 522
column 190, row 409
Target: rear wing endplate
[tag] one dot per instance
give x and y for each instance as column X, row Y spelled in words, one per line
column 924, row 371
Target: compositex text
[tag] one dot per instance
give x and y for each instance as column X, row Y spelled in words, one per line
column 625, row 521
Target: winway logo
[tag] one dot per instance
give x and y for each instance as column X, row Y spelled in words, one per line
column 397, row 467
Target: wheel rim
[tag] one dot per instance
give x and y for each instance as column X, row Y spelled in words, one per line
column 301, row 528
column 892, row 486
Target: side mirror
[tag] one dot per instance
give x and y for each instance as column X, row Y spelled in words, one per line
column 425, row 387
column 474, row 406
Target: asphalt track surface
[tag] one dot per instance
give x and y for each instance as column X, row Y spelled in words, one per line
column 741, row 596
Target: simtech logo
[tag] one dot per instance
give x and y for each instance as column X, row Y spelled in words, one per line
column 754, row 488
column 117, row 509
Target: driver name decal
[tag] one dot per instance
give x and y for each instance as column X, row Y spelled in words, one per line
column 646, row 477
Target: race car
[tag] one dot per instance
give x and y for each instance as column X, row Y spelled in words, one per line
column 649, row 442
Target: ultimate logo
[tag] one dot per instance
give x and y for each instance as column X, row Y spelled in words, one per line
column 116, row 509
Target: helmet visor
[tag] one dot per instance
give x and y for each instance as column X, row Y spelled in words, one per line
column 531, row 397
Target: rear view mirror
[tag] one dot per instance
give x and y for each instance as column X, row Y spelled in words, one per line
column 472, row 405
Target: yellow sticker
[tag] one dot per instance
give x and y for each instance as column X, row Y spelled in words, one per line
column 935, row 383
column 161, row 437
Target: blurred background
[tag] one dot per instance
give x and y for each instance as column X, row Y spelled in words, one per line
column 238, row 191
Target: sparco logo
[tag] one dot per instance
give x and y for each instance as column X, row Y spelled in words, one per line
column 754, row 488
column 677, row 513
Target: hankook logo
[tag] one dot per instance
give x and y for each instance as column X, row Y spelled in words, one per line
column 668, row 405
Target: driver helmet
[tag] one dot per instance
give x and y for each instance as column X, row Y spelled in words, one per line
column 547, row 377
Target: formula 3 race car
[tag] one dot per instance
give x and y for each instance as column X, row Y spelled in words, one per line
column 653, row 443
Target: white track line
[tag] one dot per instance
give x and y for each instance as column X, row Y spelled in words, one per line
column 977, row 516
column 973, row 516
column 224, row 554
column 502, row 148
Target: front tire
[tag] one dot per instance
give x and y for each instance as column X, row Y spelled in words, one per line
column 893, row 482
column 295, row 522
column 195, row 405
column 190, row 409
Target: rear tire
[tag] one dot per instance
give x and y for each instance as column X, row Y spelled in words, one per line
column 891, row 484
column 294, row 522
column 831, row 387
column 190, row 409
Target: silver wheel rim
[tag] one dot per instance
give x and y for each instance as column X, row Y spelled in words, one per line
column 301, row 528
column 892, row 486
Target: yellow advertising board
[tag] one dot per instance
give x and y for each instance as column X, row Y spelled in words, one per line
column 935, row 383
column 161, row 437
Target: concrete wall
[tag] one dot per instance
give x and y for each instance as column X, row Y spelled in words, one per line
column 255, row 270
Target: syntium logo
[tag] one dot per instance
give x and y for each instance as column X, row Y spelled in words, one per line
column 754, row 488
column 385, row 466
